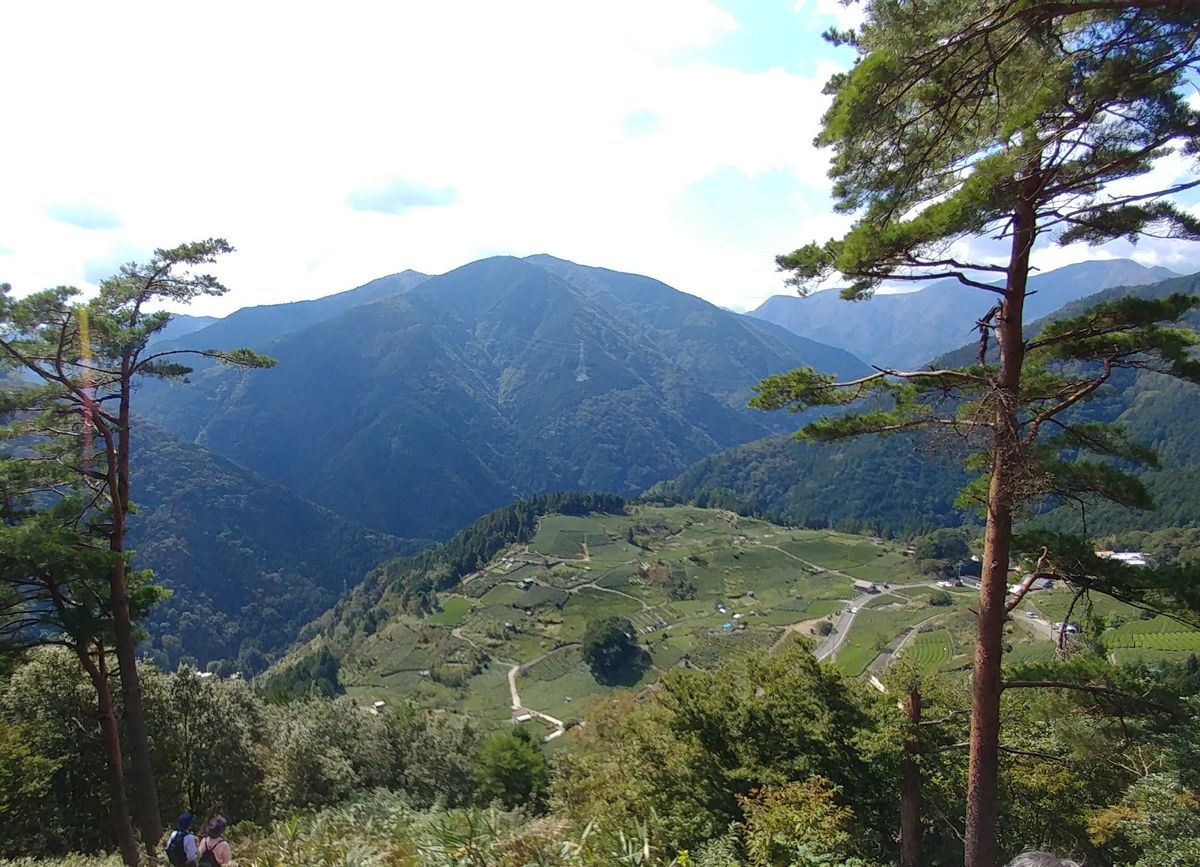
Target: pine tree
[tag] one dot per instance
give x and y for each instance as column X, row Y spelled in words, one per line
column 1016, row 120
column 75, row 417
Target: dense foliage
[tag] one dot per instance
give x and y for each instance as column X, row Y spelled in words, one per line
column 248, row 563
column 609, row 647
column 907, row 483
column 219, row 747
column 767, row 760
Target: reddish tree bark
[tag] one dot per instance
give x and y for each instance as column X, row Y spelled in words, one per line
column 986, row 686
column 118, row 807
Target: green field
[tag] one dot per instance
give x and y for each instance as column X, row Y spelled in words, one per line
column 1054, row 604
column 555, row 665
column 454, row 611
column 888, row 618
column 697, row 585
column 1152, row 640
column 930, row 651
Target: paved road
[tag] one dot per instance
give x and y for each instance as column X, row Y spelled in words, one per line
column 846, row 616
column 841, row 626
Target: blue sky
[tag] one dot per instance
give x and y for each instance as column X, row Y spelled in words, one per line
column 332, row 144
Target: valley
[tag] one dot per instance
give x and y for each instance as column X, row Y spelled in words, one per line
column 836, row 502
column 698, row 586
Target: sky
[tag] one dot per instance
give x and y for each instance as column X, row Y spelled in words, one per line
column 335, row 143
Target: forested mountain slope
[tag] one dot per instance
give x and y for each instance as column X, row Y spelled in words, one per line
column 248, row 562
column 419, row 412
column 904, row 483
column 182, row 324
column 906, row 330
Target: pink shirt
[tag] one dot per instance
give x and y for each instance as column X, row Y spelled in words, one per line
column 220, row 850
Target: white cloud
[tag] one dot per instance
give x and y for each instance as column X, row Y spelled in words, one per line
column 845, row 16
column 258, row 123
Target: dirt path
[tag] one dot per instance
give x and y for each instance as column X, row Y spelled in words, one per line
column 519, row 710
column 810, row 564
column 592, row 585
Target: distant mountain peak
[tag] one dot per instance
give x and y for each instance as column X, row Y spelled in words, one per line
column 908, row 329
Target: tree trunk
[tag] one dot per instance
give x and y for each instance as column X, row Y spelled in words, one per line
column 1007, row 457
column 118, row 807
column 145, row 791
column 910, row 790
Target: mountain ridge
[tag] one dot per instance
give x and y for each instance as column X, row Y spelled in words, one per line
column 906, row 330
column 257, row 325
column 907, row 482
column 248, row 561
column 472, row 384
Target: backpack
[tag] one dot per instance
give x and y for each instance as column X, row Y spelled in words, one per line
column 175, row 853
column 208, row 858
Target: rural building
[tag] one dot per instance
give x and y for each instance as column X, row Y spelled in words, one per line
column 865, row 587
column 1129, row 558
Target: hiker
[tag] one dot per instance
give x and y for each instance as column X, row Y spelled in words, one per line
column 181, row 845
column 214, row 848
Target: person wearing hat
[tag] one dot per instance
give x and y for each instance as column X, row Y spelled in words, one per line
column 181, row 845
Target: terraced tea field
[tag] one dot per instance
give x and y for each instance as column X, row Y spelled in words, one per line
column 1148, row 640
column 697, row 585
column 931, row 650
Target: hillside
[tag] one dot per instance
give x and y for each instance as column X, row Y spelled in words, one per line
column 501, row 378
column 907, row 330
column 248, row 562
column 507, row 632
column 904, row 483
column 697, row 586
column 182, row 324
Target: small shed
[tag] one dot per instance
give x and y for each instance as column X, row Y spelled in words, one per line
column 865, row 587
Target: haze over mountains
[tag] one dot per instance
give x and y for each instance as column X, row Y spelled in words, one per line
column 907, row 330
column 417, row 412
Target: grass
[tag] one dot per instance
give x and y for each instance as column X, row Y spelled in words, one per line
column 773, row 576
column 1054, row 604
column 454, row 611
column 930, row 650
column 874, row 628
column 554, row 665
column 1151, row 641
column 501, row 594
column 709, row 651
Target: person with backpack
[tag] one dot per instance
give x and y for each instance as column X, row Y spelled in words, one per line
column 214, row 850
column 181, row 845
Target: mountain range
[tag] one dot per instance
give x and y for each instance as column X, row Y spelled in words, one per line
column 418, row 404
column 906, row 330
column 247, row 562
column 403, row 409
column 904, row 483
